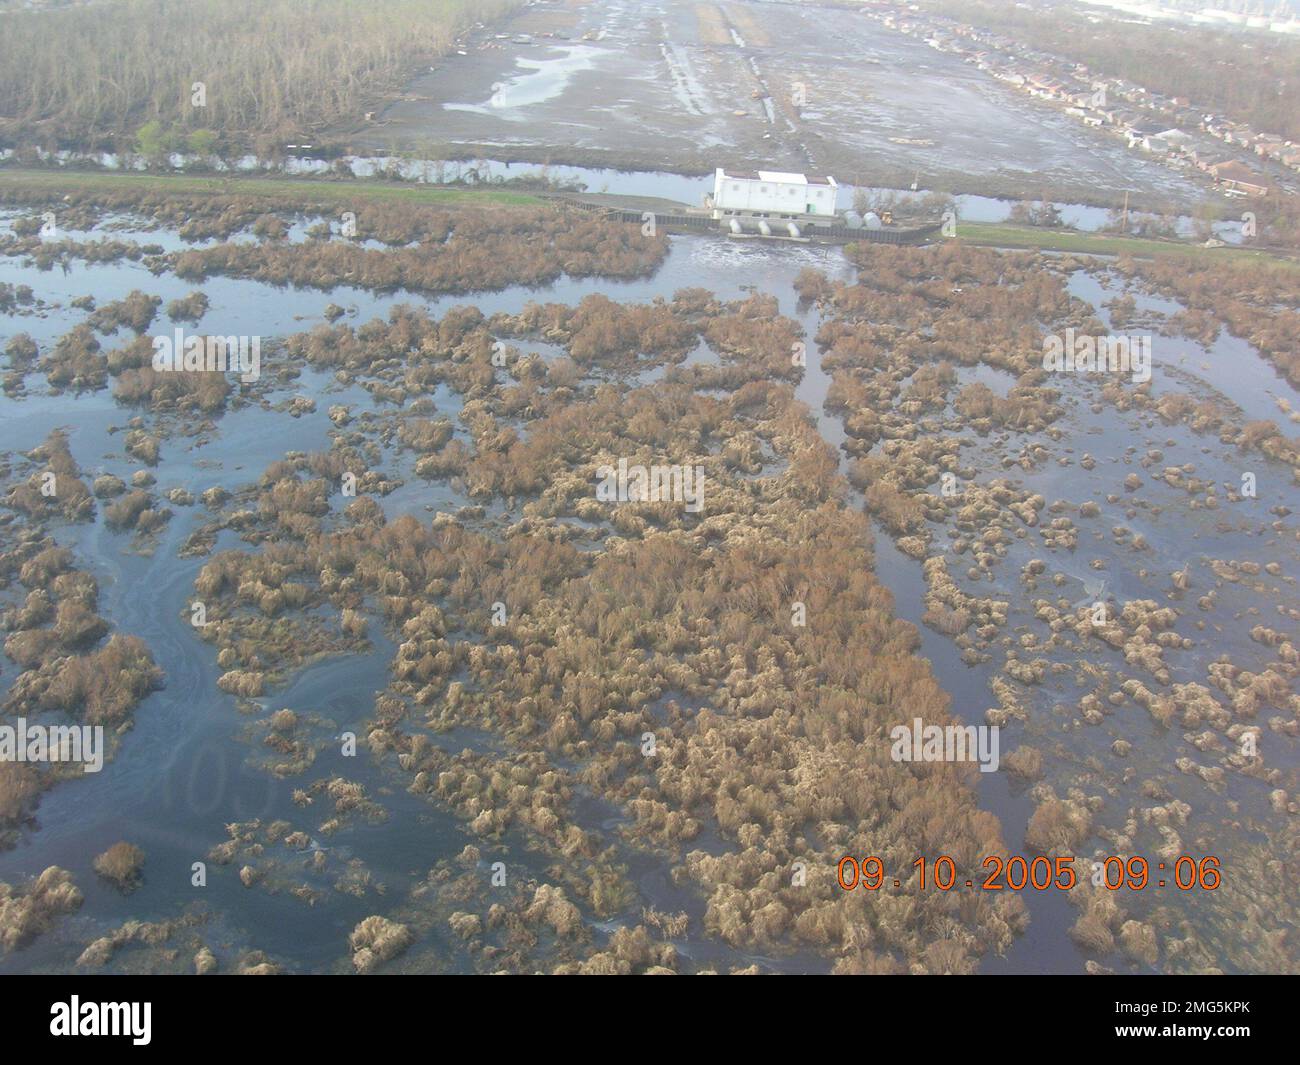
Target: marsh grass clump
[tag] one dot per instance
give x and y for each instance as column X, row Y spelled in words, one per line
column 20, row 790
column 29, row 910
column 102, row 687
column 1058, row 826
column 153, row 945
column 188, row 308
column 22, row 351
column 125, row 512
column 136, row 311
column 376, row 940
column 55, row 489
column 143, row 446
column 291, row 739
column 121, row 866
column 424, row 434
column 182, row 390
column 1025, row 762
column 75, row 362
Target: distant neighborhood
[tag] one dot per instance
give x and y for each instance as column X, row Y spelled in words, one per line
column 1173, row 129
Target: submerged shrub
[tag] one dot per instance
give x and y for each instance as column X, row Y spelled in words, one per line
column 121, row 865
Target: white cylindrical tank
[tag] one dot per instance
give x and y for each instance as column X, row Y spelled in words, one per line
column 871, row 220
column 852, row 219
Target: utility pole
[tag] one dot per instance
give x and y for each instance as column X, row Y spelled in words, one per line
column 1125, row 222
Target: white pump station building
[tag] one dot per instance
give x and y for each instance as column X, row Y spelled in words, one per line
column 772, row 194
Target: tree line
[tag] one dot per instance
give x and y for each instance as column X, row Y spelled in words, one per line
column 267, row 67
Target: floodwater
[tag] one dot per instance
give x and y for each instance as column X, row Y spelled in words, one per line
column 541, row 80
column 186, row 769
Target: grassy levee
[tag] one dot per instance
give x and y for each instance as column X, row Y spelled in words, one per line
column 1002, row 235
column 273, row 187
column 36, row 185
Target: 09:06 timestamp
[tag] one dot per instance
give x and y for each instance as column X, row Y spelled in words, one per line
column 1040, row 874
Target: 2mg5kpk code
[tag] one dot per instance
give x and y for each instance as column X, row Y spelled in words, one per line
column 1039, row 874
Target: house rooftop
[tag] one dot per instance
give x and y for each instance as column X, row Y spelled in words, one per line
column 776, row 176
column 1239, row 173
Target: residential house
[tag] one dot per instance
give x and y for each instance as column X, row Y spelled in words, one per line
column 1175, row 140
column 1238, row 177
column 1269, row 145
column 1145, row 137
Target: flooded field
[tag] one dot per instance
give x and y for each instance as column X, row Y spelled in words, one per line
column 685, row 86
column 372, row 612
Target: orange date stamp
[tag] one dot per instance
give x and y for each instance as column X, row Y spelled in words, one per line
column 1016, row 873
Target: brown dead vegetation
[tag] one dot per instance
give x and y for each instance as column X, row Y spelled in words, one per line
column 486, row 249
column 787, row 760
column 120, row 865
column 29, row 910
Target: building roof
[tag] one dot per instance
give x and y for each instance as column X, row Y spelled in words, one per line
column 1237, row 172
column 778, row 176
